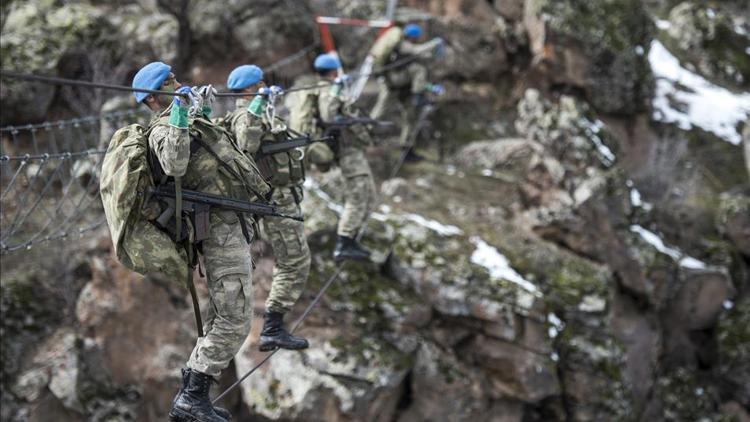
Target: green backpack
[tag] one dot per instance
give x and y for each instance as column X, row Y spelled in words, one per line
column 125, row 179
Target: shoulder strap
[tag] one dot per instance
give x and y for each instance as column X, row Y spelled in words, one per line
column 227, row 167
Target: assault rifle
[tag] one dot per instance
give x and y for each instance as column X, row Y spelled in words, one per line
column 350, row 121
column 199, row 204
column 270, row 148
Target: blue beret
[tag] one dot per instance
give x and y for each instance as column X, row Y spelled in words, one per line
column 327, row 62
column 413, row 30
column 244, row 76
column 150, row 76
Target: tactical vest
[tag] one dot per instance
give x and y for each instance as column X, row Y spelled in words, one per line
column 217, row 165
column 285, row 169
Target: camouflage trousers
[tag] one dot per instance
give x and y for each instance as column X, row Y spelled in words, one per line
column 387, row 97
column 229, row 313
column 291, row 254
column 359, row 191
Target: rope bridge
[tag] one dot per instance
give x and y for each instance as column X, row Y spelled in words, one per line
column 49, row 185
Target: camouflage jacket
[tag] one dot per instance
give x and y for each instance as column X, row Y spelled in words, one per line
column 181, row 156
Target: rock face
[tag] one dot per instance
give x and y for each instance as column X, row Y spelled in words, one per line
column 572, row 260
column 712, row 38
column 599, row 47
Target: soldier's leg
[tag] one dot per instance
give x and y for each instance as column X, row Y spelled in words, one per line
column 229, row 277
column 292, row 259
column 359, row 191
column 359, row 197
column 407, row 122
column 290, row 271
column 384, row 95
column 418, row 76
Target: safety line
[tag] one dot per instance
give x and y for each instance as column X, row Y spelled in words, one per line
column 72, row 122
column 75, row 82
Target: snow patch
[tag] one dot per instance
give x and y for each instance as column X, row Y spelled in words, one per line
column 313, row 186
column 663, row 24
column 635, row 197
column 436, row 226
column 556, row 325
column 654, row 240
column 707, row 106
column 498, row 265
column 608, row 157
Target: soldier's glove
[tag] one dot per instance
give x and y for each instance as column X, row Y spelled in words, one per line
column 342, row 79
column 439, row 50
column 436, row 89
column 208, row 95
column 258, row 105
column 340, row 84
column 275, row 90
column 178, row 116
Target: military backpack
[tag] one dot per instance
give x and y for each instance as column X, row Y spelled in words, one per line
column 126, row 177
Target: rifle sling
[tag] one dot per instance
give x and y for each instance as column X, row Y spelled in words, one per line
column 193, row 294
column 226, row 166
column 178, row 208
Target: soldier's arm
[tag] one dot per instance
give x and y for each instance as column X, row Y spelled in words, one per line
column 329, row 106
column 307, row 109
column 423, row 50
column 172, row 147
column 248, row 131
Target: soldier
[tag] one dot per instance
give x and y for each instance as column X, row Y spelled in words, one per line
column 285, row 171
column 407, row 79
column 323, row 110
column 201, row 155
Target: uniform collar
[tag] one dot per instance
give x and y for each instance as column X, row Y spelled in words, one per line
column 242, row 102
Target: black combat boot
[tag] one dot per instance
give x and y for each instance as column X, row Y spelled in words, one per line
column 412, row 157
column 192, row 402
column 224, row 413
column 348, row 248
column 275, row 336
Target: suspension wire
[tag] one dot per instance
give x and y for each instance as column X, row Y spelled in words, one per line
column 38, row 215
column 291, row 58
column 75, row 82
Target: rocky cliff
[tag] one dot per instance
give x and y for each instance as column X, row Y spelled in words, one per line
column 576, row 247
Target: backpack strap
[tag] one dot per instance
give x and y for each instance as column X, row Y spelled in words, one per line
column 196, row 138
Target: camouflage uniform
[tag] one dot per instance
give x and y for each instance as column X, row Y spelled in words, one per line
column 402, row 83
column 285, row 172
column 225, row 254
column 746, row 142
column 359, row 186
